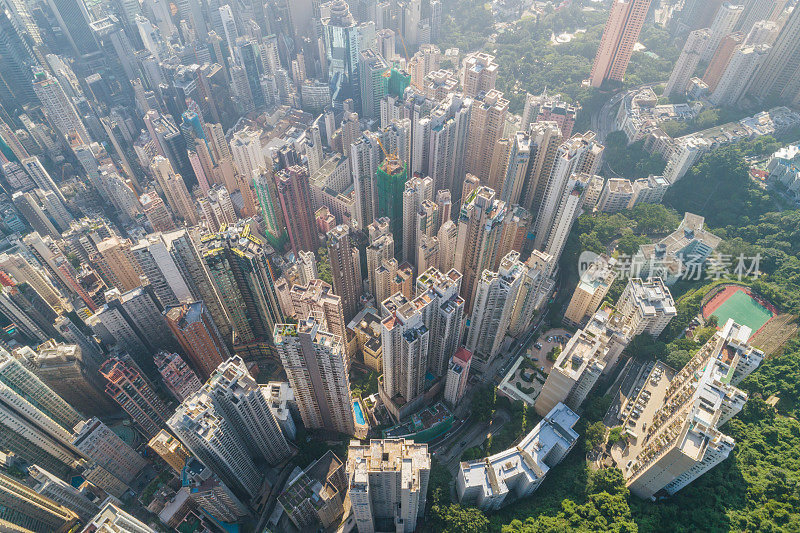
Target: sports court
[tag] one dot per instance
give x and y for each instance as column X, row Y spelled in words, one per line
column 737, row 303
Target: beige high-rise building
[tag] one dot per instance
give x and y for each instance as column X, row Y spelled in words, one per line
column 23, row 271
column 619, row 36
column 480, row 227
column 315, row 364
column 388, row 484
column 174, row 189
column 316, row 299
column 25, row 510
column 116, row 264
column 487, row 120
column 170, row 449
column 592, row 288
column 478, row 74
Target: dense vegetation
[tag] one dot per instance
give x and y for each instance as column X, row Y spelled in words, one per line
column 630, row 161
column 747, row 217
column 528, row 60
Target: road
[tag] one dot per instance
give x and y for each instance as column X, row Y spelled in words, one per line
column 474, row 436
column 603, row 121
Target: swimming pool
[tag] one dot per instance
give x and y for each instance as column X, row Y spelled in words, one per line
column 360, row 420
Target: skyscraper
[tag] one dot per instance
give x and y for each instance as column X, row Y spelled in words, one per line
column 246, row 405
column 96, row 440
column 162, row 271
column 345, row 269
column 388, row 484
column 391, row 179
column 495, row 295
column 724, row 22
column 127, row 385
column 58, row 108
column 62, row 368
column 294, row 192
column 316, row 366
column 779, row 75
column 340, row 37
column 115, row 262
column 242, row 274
column 316, row 299
column 478, row 74
column 15, row 79
column 445, row 318
column 579, row 154
column 687, row 62
column 616, row 46
column 197, row 334
column 487, row 120
column 15, row 375
column 416, row 219
column 27, row 510
column 176, row 375
column 405, row 337
column 374, row 78
column 479, row 229
column 132, row 321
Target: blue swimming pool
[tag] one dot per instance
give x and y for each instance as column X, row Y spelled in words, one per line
column 360, row 420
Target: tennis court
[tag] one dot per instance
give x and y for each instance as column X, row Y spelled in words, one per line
column 738, row 304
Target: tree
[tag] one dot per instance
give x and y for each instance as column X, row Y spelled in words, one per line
column 324, row 265
column 483, row 403
column 439, row 484
column 595, row 435
column 457, row 519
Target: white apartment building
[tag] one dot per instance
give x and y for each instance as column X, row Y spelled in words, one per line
column 517, row 472
column 388, row 484
column 673, row 426
column 647, row 306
